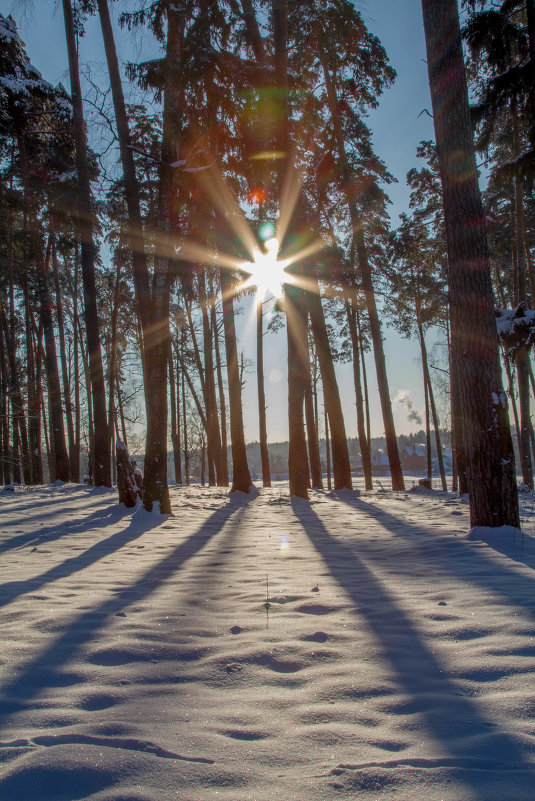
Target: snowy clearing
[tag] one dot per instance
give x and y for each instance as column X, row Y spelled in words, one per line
column 264, row 648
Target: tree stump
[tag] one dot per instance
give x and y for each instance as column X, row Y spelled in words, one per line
column 126, row 480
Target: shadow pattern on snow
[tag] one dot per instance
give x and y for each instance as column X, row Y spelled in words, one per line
column 46, row 669
column 140, row 523
column 439, row 551
column 435, row 696
column 99, row 519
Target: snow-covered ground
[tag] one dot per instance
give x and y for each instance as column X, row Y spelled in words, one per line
column 262, row 648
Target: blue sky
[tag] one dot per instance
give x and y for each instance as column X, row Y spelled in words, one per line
column 398, row 125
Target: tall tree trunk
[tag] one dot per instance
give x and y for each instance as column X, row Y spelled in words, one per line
column 312, row 437
column 427, row 431
column 221, row 391
column 264, row 451
column 294, row 296
column 112, row 362
column 101, row 448
column 185, row 425
column 174, row 397
column 241, row 477
column 365, row 452
column 153, row 303
column 436, row 426
column 522, row 355
column 364, row 379
column 51, row 360
column 511, row 393
column 327, row 449
column 34, row 414
column 340, row 453
column 5, row 455
column 76, row 372
column 74, row 468
column 366, row 279
column 486, row 433
column 119, row 393
column 213, row 433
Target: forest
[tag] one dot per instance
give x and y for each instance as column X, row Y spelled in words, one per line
column 201, row 204
column 239, row 163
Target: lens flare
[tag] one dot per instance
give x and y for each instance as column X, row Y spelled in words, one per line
column 267, row 271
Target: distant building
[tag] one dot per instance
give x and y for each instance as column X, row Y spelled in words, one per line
column 380, row 461
column 414, row 457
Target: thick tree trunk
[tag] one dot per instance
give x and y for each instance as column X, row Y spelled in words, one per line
column 241, row 477
column 340, row 453
column 152, row 303
column 156, row 339
column 366, row 278
column 294, row 297
column 101, row 448
column 298, row 468
column 486, row 433
column 522, row 355
column 380, row 362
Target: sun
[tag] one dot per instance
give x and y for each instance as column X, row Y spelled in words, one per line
column 267, row 271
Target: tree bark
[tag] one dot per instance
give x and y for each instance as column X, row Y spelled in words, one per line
column 101, row 448
column 483, row 403
column 340, row 453
column 522, row 355
column 294, row 296
column 241, row 477
column 366, row 279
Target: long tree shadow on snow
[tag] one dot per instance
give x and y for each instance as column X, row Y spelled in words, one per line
column 440, row 551
column 139, row 524
column 46, row 670
column 433, row 695
column 99, row 519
